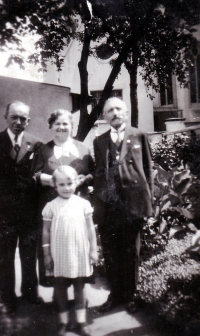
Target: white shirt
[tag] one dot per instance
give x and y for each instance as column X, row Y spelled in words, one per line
column 114, row 133
column 12, row 137
column 67, row 148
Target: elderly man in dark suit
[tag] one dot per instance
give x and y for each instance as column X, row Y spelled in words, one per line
column 17, row 207
column 122, row 198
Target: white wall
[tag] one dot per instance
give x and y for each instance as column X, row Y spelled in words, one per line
column 145, row 106
column 98, row 73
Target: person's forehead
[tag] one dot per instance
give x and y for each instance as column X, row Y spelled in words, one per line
column 19, row 109
column 64, row 117
column 65, row 177
column 118, row 103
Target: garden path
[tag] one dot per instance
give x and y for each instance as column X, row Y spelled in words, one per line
column 42, row 321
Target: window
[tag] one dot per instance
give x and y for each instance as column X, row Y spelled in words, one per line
column 195, row 80
column 166, row 93
column 96, row 95
column 104, row 51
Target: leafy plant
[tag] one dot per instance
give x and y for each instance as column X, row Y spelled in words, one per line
column 176, row 190
column 193, row 157
column 176, row 194
column 170, row 280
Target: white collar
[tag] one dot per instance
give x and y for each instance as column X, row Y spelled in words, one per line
column 68, row 147
column 114, row 133
column 12, row 137
column 120, row 129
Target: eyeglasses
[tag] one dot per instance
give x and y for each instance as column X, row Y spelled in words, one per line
column 23, row 120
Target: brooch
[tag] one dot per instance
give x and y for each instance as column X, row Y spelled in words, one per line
column 29, row 147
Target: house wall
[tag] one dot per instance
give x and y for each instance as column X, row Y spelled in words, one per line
column 98, row 73
column 43, row 99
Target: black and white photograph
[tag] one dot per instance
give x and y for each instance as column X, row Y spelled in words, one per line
column 100, row 168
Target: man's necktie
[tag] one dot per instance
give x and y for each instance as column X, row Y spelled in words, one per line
column 16, row 146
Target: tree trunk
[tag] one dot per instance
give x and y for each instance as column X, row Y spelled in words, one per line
column 89, row 120
column 132, row 69
column 82, row 65
column 133, row 95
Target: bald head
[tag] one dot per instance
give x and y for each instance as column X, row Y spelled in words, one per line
column 15, row 104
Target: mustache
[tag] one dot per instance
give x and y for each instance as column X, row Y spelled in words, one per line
column 115, row 117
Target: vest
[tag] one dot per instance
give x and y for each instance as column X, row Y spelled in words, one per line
column 113, row 182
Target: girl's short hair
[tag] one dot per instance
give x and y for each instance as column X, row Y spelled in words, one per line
column 57, row 113
column 64, row 170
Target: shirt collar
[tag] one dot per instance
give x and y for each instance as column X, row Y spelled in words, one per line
column 12, row 137
column 120, row 129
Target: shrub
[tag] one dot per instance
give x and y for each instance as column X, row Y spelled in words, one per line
column 194, row 156
column 169, row 272
column 176, row 197
column 172, row 151
column 171, row 280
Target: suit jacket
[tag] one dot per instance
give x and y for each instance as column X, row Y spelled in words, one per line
column 16, row 188
column 135, row 170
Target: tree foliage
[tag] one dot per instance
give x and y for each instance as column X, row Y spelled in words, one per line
column 155, row 35
column 160, row 38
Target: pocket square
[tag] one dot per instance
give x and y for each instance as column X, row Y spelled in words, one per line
column 136, row 146
column 31, row 156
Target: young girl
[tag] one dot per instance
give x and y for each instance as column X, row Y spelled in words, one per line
column 69, row 244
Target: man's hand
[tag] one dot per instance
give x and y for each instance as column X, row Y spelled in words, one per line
column 81, row 179
column 48, row 262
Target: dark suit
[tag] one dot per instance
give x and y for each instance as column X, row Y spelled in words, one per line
column 17, row 216
column 122, row 197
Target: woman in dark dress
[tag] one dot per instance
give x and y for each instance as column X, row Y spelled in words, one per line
column 62, row 150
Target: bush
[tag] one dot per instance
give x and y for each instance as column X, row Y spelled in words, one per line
column 170, row 271
column 170, row 280
column 194, row 156
column 172, row 151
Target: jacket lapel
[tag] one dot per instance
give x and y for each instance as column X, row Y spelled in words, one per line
column 25, row 147
column 128, row 139
column 8, row 146
column 104, row 147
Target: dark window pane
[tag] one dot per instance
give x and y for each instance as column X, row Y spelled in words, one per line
column 104, row 51
column 169, row 92
column 162, row 94
column 96, row 95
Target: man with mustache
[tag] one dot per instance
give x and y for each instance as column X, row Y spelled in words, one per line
column 17, row 207
column 122, row 198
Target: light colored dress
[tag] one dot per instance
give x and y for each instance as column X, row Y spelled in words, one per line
column 69, row 236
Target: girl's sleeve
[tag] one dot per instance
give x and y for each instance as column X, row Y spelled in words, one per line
column 88, row 210
column 47, row 213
